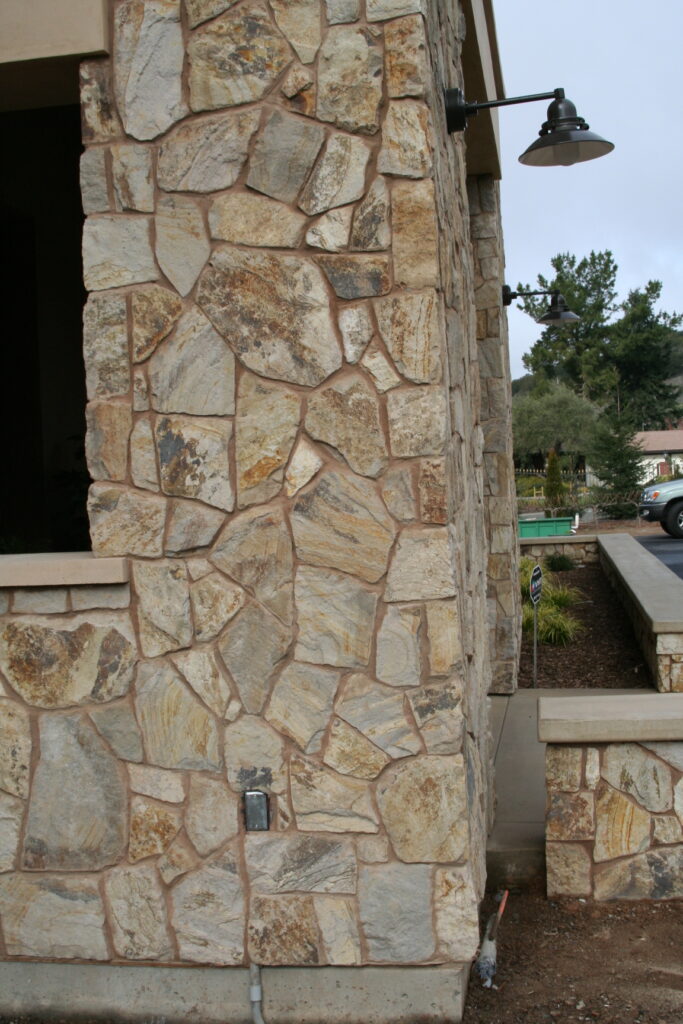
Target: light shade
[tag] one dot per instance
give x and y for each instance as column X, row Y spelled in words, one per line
column 558, row 313
column 564, row 139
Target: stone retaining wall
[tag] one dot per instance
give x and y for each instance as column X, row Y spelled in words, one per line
column 283, row 432
column 579, row 549
column 614, row 820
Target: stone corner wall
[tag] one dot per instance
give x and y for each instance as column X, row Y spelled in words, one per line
column 284, row 436
column 614, row 820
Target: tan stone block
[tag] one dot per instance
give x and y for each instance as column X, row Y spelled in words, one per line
column 415, row 236
column 621, row 827
column 443, row 631
column 350, row 753
column 406, row 135
column 106, row 441
column 250, row 219
column 283, row 930
column 154, row 312
column 405, row 57
column 350, row 79
column 568, row 869
column 570, row 816
column 563, row 768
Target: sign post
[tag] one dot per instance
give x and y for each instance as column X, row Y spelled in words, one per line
column 535, row 590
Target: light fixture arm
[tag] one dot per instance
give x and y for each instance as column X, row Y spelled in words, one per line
column 509, row 296
column 458, row 110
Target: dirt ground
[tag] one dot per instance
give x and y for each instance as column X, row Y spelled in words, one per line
column 573, row 960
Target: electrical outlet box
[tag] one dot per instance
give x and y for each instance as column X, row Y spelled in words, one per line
column 256, row 811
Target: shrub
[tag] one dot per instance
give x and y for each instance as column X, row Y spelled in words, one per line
column 558, row 563
column 555, row 625
column 553, row 489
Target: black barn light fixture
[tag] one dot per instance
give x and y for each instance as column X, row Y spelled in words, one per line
column 558, row 313
column 564, row 138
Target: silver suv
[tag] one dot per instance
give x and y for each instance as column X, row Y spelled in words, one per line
column 663, row 504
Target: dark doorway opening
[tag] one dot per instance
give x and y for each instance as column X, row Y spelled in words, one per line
column 42, row 378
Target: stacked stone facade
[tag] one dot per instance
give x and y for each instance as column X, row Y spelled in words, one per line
column 283, row 374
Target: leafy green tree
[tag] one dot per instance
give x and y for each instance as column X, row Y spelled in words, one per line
column 615, row 458
column 553, row 488
column 552, row 416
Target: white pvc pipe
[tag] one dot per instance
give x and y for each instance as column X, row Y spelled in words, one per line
column 255, row 994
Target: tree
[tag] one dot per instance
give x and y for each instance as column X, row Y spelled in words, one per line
column 620, row 354
column 616, row 459
column 552, row 416
column 553, row 488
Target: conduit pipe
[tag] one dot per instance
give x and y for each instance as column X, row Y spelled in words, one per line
column 255, row 993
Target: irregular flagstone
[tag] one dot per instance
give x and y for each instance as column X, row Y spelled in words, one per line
column 223, row 72
column 341, row 523
column 415, row 235
column 52, row 916
column 568, row 870
column 293, row 863
column 299, row 87
column 105, row 346
column 265, row 430
column 299, row 21
column 283, row 930
column 563, row 767
column 457, row 913
column 405, row 57
column 138, row 914
column 355, row 324
column 438, row 712
column 346, row 415
column 108, row 427
column 252, row 646
column 274, row 312
column 154, row 312
column 331, row 231
column 284, row 155
column 350, row 79
column 117, row 251
column 125, row 522
column 201, row 670
column 201, row 10
column 182, row 244
column 356, row 277
column 148, row 47
column 621, row 827
column 11, row 818
column 153, row 827
column 208, row 912
column 132, row 178
column 254, row 756
column 339, row 930
column 55, row 662
column 206, row 155
column 212, row 817
column 406, row 135
column 350, row 753
column 373, row 849
column 177, row 729
column 177, row 860
column 191, row 525
column 378, row 712
column 93, row 181
column 396, row 912
column 410, row 326
column 418, row 421
column 301, row 703
column 655, row 875
column 215, row 601
column 99, row 120
column 336, row 618
column 338, row 177
column 399, row 661
column 163, row 606
column 118, row 725
column 629, row 768
column 432, row 488
column 421, row 566
column 15, row 748
column 76, row 773
column 672, row 753
column 667, row 829
column 194, row 371
column 140, row 395
column 570, row 816
column 443, row 631
column 423, row 803
column 143, row 461
column 255, row 549
column 303, row 465
column 380, row 368
column 340, row 11
column 378, row 10
column 194, row 460
column 371, row 229
column 158, row 783
column 327, row 802
column 255, row 220
column 398, row 492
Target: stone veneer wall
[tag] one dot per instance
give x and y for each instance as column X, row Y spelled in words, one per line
column 614, row 820
column 500, row 499
column 282, row 370
column 579, row 549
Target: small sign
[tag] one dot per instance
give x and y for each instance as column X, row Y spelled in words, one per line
column 536, row 585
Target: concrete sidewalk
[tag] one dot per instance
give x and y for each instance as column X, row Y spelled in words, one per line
column 516, row 846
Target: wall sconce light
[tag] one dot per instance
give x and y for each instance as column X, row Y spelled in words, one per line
column 558, row 314
column 564, row 138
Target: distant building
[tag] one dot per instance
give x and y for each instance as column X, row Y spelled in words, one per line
column 662, row 451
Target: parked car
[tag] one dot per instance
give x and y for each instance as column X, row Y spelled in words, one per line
column 663, row 504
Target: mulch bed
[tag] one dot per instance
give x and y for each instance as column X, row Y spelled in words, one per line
column 604, row 655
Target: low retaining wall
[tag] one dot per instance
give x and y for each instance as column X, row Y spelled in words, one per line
column 614, row 784
column 580, row 549
column 653, row 598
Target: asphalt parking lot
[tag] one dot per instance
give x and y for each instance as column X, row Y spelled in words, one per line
column 668, row 549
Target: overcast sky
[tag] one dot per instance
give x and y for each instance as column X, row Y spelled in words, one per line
column 619, row 61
